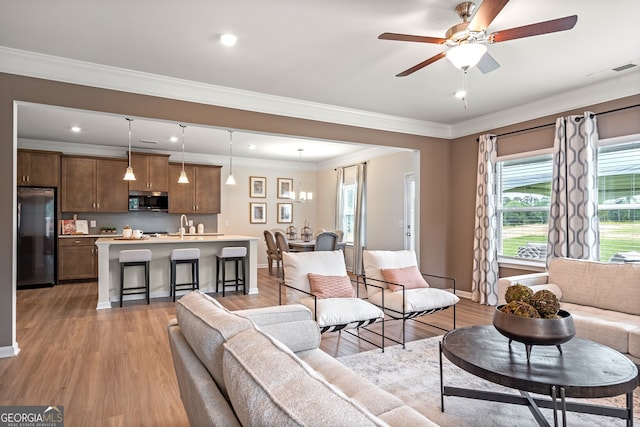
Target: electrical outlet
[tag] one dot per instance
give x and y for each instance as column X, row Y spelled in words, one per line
column 226, row 222
column 93, row 223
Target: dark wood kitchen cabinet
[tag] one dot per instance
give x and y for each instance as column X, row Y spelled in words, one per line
column 201, row 195
column 91, row 184
column 38, row 168
column 151, row 170
column 77, row 258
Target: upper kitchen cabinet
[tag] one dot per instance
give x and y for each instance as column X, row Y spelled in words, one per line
column 38, row 168
column 152, row 172
column 94, row 185
column 201, row 195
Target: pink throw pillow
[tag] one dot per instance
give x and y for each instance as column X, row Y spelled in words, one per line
column 330, row 286
column 410, row 277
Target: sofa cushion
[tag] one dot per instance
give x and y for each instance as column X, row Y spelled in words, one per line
column 206, row 325
column 379, row 402
column 607, row 327
column 297, row 265
column 634, row 343
column 604, row 285
column 268, row 385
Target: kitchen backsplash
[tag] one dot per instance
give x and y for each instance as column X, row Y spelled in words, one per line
column 147, row 221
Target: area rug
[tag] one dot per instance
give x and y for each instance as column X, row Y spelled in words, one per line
column 413, row 375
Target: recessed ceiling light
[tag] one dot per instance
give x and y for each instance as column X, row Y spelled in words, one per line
column 76, row 129
column 252, row 147
column 173, row 139
column 228, row 39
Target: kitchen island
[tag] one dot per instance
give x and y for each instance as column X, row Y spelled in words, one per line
column 160, row 267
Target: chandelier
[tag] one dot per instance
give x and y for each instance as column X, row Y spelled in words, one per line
column 303, row 196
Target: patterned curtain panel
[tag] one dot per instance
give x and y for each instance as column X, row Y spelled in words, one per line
column 359, row 237
column 484, row 287
column 573, row 214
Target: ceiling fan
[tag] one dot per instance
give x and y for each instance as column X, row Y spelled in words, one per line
column 468, row 39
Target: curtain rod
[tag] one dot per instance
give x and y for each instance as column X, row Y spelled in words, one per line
column 349, row 166
column 553, row 124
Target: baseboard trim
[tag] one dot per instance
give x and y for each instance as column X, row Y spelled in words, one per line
column 9, row 351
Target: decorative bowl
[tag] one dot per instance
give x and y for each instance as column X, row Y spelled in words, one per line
column 532, row 331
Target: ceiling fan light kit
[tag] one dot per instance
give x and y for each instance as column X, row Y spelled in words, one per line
column 467, row 55
column 467, row 38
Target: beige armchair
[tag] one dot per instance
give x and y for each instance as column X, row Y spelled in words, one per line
column 400, row 289
column 319, row 281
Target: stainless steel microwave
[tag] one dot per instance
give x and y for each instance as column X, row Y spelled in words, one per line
column 148, row 201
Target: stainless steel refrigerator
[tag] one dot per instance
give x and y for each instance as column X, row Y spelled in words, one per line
column 36, row 237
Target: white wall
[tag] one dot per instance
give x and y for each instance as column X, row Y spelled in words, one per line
column 235, row 200
column 385, row 200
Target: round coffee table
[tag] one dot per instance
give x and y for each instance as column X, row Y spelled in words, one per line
column 584, row 369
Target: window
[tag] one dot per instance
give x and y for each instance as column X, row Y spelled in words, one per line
column 523, row 197
column 524, row 193
column 619, row 201
column 348, row 211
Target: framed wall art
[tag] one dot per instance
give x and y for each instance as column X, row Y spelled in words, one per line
column 257, row 186
column 285, row 186
column 257, row 213
column 285, row 213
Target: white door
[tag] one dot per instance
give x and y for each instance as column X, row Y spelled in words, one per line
column 409, row 211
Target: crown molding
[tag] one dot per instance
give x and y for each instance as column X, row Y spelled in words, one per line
column 15, row 61
column 624, row 85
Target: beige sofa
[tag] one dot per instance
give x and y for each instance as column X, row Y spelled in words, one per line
column 263, row 367
column 603, row 298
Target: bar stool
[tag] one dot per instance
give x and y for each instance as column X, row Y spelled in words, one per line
column 185, row 256
column 133, row 258
column 236, row 254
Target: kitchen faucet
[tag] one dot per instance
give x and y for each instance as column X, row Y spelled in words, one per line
column 186, row 223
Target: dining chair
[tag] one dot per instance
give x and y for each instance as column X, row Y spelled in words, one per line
column 273, row 254
column 326, row 241
column 340, row 234
column 281, row 242
column 317, row 232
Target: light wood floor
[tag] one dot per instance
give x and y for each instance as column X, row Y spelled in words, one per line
column 113, row 367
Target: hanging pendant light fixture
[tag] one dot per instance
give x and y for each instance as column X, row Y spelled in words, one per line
column 230, row 179
column 303, row 196
column 129, row 175
column 183, row 175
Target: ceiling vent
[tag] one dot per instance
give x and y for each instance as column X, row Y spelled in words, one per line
column 624, row 67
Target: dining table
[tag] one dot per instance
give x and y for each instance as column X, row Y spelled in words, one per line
column 299, row 245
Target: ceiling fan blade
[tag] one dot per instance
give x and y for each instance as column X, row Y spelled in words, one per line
column 410, row 38
column 487, row 63
column 421, row 65
column 555, row 25
column 486, row 13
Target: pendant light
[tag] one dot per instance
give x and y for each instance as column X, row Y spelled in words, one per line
column 129, row 175
column 303, row 196
column 183, row 175
column 230, row 179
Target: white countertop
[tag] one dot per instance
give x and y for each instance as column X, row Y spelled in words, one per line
column 170, row 238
